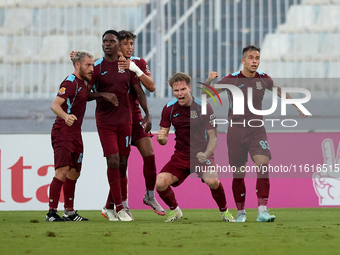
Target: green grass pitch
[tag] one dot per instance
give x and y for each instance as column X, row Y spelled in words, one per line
column 295, row 231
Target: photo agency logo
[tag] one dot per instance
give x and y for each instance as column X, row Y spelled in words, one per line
column 239, row 101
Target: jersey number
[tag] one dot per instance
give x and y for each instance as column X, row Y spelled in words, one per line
column 264, row 145
column 128, row 141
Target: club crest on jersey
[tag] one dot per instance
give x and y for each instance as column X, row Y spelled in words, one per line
column 121, row 70
column 193, row 115
column 259, row 85
column 62, row 91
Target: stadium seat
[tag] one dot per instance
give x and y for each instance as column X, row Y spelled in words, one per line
column 312, row 70
column 300, row 18
column 17, row 20
column 54, row 49
column 32, row 3
column 79, row 20
column 87, row 42
column 328, row 19
column 333, row 70
column 55, row 74
column 47, row 21
column 316, row 2
column 275, row 47
column 65, row 3
column 6, row 77
column 304, row 47
column 279, row 69
column 23, row 49
column 7, row 3
column 4, row 47
column 330, row 49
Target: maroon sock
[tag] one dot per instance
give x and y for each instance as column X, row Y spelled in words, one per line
column 149, row 171
column 168, row 197
column 109, row 202
column 114, row 182
column 124, row 188
column 69, row 188
column 219, row 196
column 55, row 189
column 262, row 186
column 239, row 191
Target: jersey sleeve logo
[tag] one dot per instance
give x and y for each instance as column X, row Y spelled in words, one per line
column 62, row 91
column 147, row 69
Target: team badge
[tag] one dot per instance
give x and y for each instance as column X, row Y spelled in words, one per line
column 259, row 85
column 193, row 115
column 121, row 70
column 62, row 91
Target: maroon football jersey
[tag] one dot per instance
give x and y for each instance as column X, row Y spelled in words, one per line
column 190, row 126
column 108, row 78
column 136, row 112
column 74, row 91
column 259, row 83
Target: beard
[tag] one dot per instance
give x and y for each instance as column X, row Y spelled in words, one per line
column 85, row 76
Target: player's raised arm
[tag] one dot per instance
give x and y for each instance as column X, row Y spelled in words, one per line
column 56, row 108
column 147, row 80
column 212, row 76
column 162, row 135
column 288, row 96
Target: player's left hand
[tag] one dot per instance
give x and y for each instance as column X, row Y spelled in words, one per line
column 124, row 63
column 302, row 115
column 201, row 157
column 147, row 123
column 72, row 54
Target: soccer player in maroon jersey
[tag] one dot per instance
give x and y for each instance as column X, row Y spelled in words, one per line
column 111, row 88
column 69, row 106
column 196, row 139
column 243, row 138
column 141, row 139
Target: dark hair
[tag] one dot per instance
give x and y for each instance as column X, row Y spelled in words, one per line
column 124, row 34
column 250, row 48
column 180, row 77
column 114, row 32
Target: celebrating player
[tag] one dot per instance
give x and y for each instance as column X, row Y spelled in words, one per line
column 243, row 138
column 193, row 147
column 141, row 139
column 69, row 106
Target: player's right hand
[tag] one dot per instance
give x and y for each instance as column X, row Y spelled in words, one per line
column 213, row 75
column 72, row 54
column 69, row 119
column 111, row 97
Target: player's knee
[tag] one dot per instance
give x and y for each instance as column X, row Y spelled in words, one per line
column 213, row 183
column 162, row 183
column 113, row 161
column 61, row 173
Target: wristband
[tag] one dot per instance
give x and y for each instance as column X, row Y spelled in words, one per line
column 134, row 68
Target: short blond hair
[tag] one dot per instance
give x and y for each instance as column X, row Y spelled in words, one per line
column 180, row 77
column 80, row 55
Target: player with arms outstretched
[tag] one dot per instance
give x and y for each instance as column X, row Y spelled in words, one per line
column 243, row 138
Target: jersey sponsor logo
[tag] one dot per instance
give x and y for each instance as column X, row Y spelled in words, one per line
column 104, row 73
column 242, row 85
column 62, row 91
column 193, row 115
column 259, row 85
column 175, row 115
